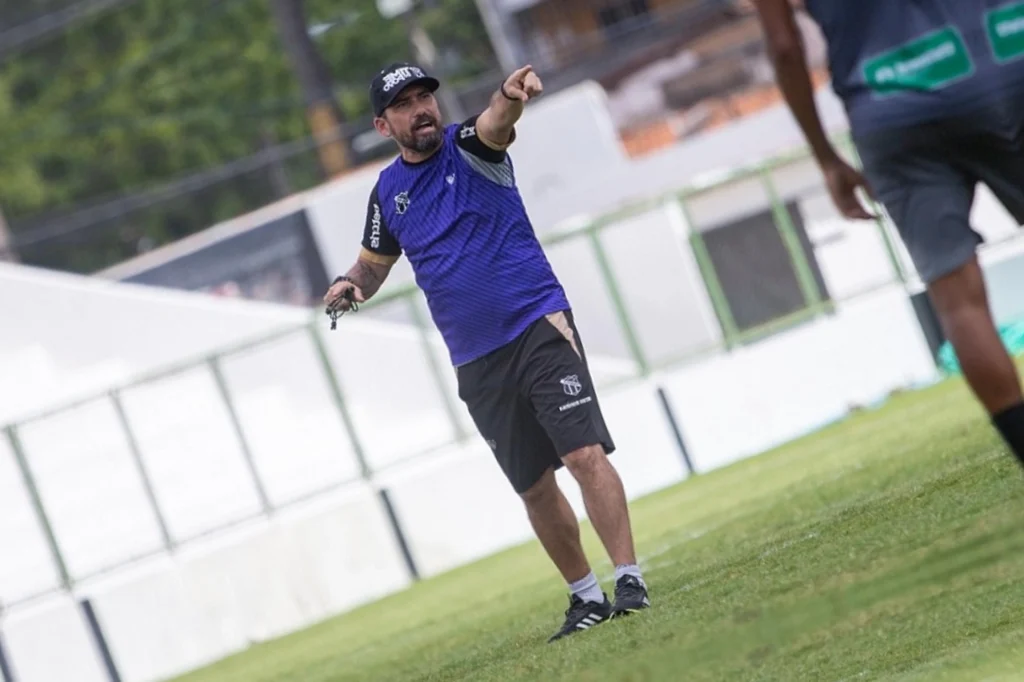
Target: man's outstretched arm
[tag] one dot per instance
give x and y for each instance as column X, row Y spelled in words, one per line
column 786, row 49
column 496, row 125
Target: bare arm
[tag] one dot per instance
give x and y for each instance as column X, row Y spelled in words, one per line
column 785, row 47
column 364, row 279
column 496, row 125
column 379, row 252
column 370, row 271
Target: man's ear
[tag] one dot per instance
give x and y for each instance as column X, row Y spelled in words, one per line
column 382, row 126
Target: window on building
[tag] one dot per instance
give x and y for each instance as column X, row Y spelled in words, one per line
column 756, row 271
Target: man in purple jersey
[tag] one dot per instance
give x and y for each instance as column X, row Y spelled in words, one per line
column 450, row 204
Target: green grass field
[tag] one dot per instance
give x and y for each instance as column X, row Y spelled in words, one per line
column 888, row 547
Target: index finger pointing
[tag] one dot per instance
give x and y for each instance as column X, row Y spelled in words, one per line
column 521, row 72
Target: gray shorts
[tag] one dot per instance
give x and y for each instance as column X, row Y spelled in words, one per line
column 926, row 177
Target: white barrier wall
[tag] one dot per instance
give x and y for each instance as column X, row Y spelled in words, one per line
column 271, row 577
column 304, row 565
column 66, row 336
column 738, row 405
column 50, row 642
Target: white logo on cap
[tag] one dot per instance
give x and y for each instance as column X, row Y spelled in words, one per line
column 400, row 75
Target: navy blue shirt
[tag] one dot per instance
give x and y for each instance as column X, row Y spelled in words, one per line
column 905, row 62
column 460, row 220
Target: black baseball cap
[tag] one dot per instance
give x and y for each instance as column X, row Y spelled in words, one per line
column 393, row 79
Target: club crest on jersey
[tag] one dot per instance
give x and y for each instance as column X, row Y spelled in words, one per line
column 572, row 385
column 402, row 203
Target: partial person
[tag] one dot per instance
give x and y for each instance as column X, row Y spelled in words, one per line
column 934, row 92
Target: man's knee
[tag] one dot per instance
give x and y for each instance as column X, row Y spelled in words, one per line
column 541, row 492
column 586, row 461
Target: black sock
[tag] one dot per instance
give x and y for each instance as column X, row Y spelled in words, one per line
column 1010, row 423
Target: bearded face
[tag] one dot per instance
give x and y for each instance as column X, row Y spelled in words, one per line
column 413, row 120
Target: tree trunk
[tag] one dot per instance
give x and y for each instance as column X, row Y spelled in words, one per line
column 277, row 173
column 314, row 77
column 7, row 249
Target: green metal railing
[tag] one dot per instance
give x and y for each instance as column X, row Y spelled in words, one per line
column 591, row 234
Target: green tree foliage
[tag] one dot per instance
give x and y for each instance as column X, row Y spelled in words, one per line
column 159, row 89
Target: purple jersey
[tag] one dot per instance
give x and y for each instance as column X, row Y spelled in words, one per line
column 460, row 221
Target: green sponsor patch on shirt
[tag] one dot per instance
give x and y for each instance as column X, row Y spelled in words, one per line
column 1005, row 28
column 930, row 62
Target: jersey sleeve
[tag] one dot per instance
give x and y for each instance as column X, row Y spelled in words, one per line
column 378, row 242
column 468, row 140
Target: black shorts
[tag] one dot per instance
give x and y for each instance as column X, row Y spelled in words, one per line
column 925, row 177
column 533, row 400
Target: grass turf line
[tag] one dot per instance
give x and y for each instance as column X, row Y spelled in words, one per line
column 887, row 547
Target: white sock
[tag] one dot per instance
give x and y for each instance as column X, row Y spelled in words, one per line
column 629, row 569
column 588, row 589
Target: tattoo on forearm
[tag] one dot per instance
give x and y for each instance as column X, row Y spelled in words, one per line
column 367, row 277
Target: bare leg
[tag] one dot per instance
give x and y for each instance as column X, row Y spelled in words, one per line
column 961, row 303
column 555, row 524
column 605, row 500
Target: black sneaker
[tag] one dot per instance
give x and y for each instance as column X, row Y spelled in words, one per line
column 630, row 596
column 582, row 615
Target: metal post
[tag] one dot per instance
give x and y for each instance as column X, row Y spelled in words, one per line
column 357, row 447
column 673, row 423
column 243, row 443
column 618, row 303
column 887, row 238
column 890, row 248
column 716, row 292
column 498, row 31
column 403, row 544
column 140, row 467
column 435, row 368
column 40, row 510
column 6, row 674
column 426, row 54
column 100, row 641
column 791, row 240
column 339, row 400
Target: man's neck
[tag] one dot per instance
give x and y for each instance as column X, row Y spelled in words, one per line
column 413, row 156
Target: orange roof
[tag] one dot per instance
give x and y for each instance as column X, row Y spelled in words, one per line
column 661, row 133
